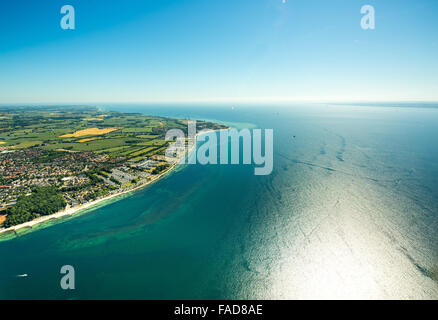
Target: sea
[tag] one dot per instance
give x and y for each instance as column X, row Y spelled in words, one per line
column 350, row 211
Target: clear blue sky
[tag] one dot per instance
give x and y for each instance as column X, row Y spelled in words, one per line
column 218, row 50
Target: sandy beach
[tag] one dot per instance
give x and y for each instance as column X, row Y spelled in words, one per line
column 70, row 211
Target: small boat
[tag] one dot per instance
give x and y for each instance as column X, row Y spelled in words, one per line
column 24, row 275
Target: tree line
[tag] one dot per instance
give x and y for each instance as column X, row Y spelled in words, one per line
column 42, row 202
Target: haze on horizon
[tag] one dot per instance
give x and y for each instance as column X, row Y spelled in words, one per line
column 218, row 51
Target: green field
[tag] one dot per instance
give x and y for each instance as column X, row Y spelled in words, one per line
column 136, row 136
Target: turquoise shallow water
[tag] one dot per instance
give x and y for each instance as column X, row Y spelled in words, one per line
column 350, row 211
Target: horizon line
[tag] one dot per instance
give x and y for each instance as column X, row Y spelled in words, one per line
column 209, row 101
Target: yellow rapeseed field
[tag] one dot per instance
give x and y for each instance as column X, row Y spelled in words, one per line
column 86, row 140
column 90, row 132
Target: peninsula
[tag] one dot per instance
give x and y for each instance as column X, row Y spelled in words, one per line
column 55, row 161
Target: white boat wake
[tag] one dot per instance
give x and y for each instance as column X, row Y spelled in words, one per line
column 24, row 275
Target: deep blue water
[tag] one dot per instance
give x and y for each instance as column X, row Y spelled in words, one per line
column 350, row 211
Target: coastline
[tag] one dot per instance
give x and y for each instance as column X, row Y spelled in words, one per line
column 71, row 211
